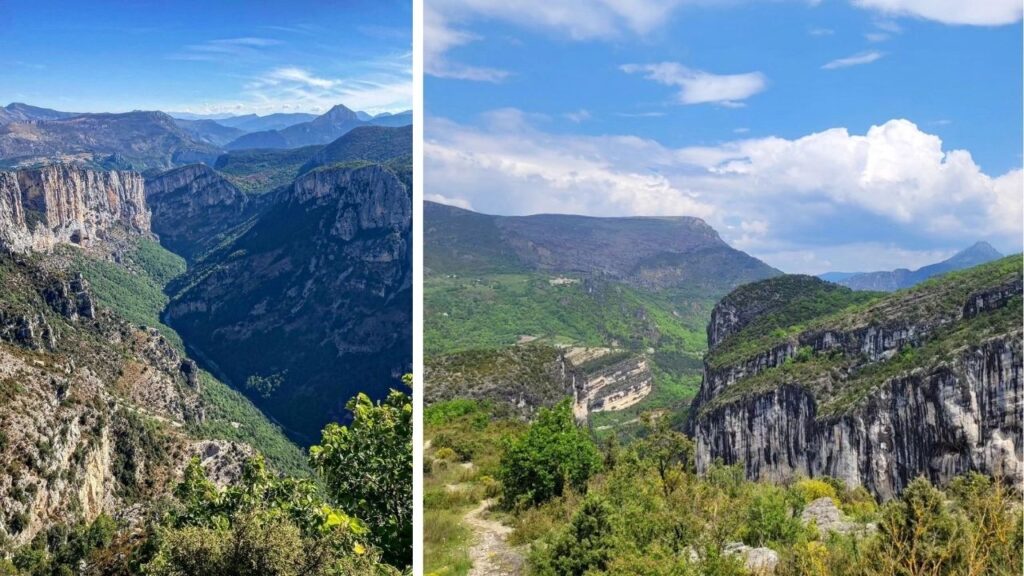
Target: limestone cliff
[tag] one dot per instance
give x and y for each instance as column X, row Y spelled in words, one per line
column 193, row 206
column 96, row 412
column 312, row 302
column 526, row 377
column 61, row 204
column 926, row 381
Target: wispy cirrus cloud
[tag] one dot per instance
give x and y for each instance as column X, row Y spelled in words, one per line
column 955, row 12
column 855, row 60
column 446, row 26
column 225, row 48
column 700, row 87
column 385, row 87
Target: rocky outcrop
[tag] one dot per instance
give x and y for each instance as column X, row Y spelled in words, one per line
column 607, row 380
column 60, row 204
column 193, row 205
column 90, row 406
column 876, row 399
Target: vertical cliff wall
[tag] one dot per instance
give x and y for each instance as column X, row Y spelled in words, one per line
column 58, row 204
column 922, row 382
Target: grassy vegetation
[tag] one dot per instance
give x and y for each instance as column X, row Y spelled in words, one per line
column 260, row 171
column 465, row 434
column 647, row 513
column 491, row 312
column 940, row 298
column 788, row 304
column 134, row 288
column 839, row 381
column 230, row 416
column 496, row 310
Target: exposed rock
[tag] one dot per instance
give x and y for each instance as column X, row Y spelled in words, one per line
column 222, row 460
column 60, row 204
column 827, row 517
column 958, row 412
column 314, row 296
column 193, row 205
column 759, row 561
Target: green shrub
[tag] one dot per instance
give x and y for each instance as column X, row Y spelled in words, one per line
column 553, row 454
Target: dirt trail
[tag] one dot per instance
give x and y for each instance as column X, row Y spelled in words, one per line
column 490, row 552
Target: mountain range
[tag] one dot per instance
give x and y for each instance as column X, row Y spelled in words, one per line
column 151, row 141
column 620, row 302
column 320, row 130
column 889, row 281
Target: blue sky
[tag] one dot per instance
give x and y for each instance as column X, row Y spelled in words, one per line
column 207, row 57
column 831, row 135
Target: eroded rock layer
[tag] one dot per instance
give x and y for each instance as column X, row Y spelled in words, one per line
column 926, row 381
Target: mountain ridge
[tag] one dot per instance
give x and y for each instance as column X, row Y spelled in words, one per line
column 888, row 281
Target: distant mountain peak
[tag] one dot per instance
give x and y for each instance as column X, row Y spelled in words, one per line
column 339, row 113
column 979, row 249
column 975, row 254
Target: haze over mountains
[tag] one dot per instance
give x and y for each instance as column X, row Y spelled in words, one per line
column 889, row 281
column 152, row 141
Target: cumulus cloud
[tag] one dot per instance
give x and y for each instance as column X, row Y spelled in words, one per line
column 524, row 170
column 699, row 87
column 855, row 60
column 961, row 12
column 827, row 200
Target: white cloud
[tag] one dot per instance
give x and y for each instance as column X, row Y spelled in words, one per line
column 445, row 23
column 300, row 76
column 962, row 12
column 440, row 36
column 855, row 60
column 524, row 170
column 226, row 49
column 578, row 116
column 821, row 32
column 442, row 199
column 385, row 87
column 699, row 87
column 832, row 200
column 851, row 258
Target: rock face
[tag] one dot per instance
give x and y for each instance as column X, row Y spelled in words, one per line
column 193, row 205
column 530, row 376
column 61, row 204
column 78, row 391
column 313, row 301
column 607, row 380
column 922, row 382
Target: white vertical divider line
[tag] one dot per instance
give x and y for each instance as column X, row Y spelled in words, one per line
column 417, row 287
